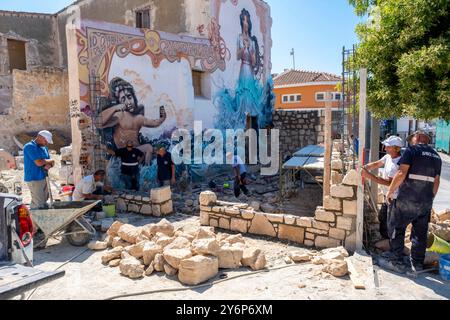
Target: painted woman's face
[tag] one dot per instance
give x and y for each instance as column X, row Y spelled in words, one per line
column 126, row 98
column 245, row 24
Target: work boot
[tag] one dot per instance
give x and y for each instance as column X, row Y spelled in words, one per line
column 393, row 264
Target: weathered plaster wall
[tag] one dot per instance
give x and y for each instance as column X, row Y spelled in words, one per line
column 168, row 16
column 39, row 32
column 39, row 103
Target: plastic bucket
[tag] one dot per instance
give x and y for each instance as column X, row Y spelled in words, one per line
column 438, row 245
column 110, row 210
column 444, row 267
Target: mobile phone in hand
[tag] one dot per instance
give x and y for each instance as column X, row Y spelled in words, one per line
column 162, row 112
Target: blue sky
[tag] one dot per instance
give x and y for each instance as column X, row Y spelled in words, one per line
column 316, row 29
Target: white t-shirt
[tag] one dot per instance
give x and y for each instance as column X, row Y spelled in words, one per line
column 237, row 162
column 389, row 171
column 86, row 186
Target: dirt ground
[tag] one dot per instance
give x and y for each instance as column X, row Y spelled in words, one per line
column 87, row 279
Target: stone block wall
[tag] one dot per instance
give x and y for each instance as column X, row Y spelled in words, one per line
column 333, row 225
column 158, row 203
column 298, row 129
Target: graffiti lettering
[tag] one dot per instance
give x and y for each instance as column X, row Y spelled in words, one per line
column 74, row 109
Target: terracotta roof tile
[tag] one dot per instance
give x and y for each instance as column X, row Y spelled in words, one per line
column 298, row 76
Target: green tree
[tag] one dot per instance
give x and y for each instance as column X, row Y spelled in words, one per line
column 405, row 44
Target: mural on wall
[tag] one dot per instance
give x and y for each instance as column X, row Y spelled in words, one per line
column 144, row 87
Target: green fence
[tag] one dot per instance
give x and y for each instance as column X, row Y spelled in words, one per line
column 443, row 136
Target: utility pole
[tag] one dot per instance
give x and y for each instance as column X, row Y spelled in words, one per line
column 293, row 56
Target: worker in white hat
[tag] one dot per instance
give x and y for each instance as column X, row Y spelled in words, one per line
column 37, row 162
column 389, row 167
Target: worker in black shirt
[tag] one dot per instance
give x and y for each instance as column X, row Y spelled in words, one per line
column 131, row 158
column 166, row 168
column 418, row 180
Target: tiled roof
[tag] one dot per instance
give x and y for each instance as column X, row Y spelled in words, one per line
column 298, row 76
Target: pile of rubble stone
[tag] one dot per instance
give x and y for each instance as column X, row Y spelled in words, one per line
column 333, row 260
column 440, row 224
column 194, row 255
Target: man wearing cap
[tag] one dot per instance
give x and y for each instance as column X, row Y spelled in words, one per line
column 37, row 162
column 393, row 146
column 418, row 179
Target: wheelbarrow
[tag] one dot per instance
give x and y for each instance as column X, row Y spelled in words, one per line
column 66, row 219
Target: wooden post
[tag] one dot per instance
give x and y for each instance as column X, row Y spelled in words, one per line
column 375, row 151
column 328, row 147
column 362, row 160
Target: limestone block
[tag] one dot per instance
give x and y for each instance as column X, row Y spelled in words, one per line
column 309, row 243
column 159, row 262
column 290, row 220
column 134, row 208
column 160, row 195
column 179, row 243
column 248, row 214
column 326, row 216
column 114, row 263
column 321, row 225
column 305, row 222
column 299, row 256
column 205, row 208
column 129, row 233
column 333, row 204
column 277, row 218
column 137, row 250
column 174, row 256
column 98, row 245
column 198, row 269
column 150, row 251
column 167, row 208
column 350, row 207
column 205, row 233
column 336, row 268
column 341, row 191
column 129, row 197
column 254, row 258
column 131, row 268
column 204, row 218
column 138, row 198
column 291, row 233
column 224, row 223
column 337, row 165
column 444, row 215
column 309, row 236
column 230, row 257
column 239, row 225
column 326, row 242
column 351, row 179
column 156, row 210
column 164, row 241
column 234, row 239
column 208, row 198
column 214, row 223
column 149, row 271
column 262, row 226
column 146, row 200
column 169, row 270
column 218, row 209
column 337, row 234
column 317, row 231
column 146, row 210
column 345, row 223
column 118, row 242
column 336, row 177
column 112, row 255
column 232, row 211
column 208, row 246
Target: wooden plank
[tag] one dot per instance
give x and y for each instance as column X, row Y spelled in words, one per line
column 328, row 150
column 361, row 162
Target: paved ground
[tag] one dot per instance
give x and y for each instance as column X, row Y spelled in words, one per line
column 442, row 200
column 87, row 278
